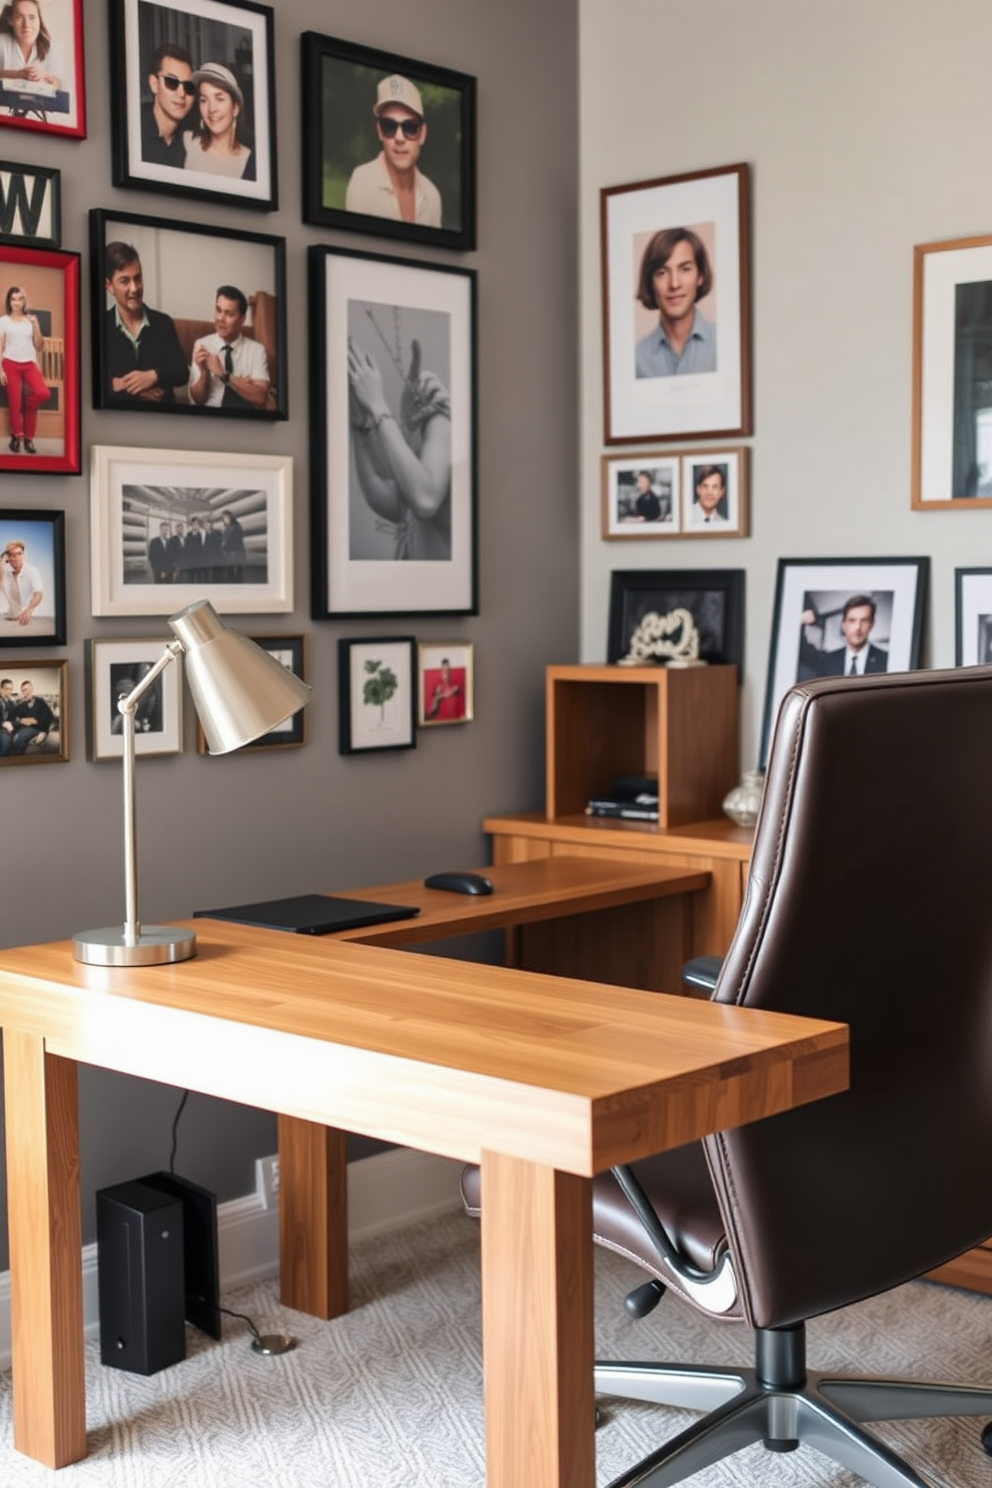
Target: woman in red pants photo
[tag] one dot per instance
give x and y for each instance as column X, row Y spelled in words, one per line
column 20, row 342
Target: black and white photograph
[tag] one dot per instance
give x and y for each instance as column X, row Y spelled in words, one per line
column 377, row 703
column 41, row 67
column 973, row 616
column 187, row 319
column 114, row 669
column 393, row 436
column 34, row 718
column 390, row 147
column 193, row 99
column 30, row 205
column 161, row 537
column 711, row 599
column 32, row 578
column 843, row 617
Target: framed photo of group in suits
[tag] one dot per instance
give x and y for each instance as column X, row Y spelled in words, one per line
column 846, row 617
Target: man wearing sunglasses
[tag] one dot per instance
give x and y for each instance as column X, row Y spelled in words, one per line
column 391, row 185
column 170, row 80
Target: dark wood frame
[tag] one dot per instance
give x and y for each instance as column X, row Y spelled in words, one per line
column 129, row 55
column 348, row 659
column 316, row 54
column 33, row 104
column 68, row 264
column 17, row 204
column 17, row 522
column 721, row 638
column 234, row 238
column 31, row 664
column 715, row 406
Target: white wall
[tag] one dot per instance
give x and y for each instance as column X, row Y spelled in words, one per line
column 865, row 124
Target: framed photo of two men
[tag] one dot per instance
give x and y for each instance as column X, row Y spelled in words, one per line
column 388, row 144
column 676, row 320
column 193, row 99
column 187, row 319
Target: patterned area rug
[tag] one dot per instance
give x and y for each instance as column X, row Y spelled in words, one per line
column 390, row 1395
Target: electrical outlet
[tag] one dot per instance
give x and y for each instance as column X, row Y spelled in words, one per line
column 267, row 1180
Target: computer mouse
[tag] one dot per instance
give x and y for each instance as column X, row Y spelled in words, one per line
column 459, row 883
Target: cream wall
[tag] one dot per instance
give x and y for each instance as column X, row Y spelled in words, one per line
column 865, row 125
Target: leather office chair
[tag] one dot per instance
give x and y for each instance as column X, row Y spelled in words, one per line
column 868, row 901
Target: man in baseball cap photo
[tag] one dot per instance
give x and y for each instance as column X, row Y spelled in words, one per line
column 392, row 185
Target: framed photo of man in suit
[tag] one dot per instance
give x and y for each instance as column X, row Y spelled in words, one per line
column 842, row 617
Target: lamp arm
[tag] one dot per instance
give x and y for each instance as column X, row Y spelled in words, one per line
column 126, row 707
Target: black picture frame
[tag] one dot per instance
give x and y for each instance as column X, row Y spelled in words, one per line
column 49, row 278
column 812, row 597
column 713, row 596
column 30, row 205
column 291, row 734
column 181, row 275
column 398, row 314
column 360, row 662
column 240, row 37
column 42, row 536
column 339, row 88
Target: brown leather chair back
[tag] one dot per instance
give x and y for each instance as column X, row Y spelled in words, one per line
column 869, row 900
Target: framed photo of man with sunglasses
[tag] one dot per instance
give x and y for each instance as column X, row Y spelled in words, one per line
column 391, row 148
column 193, row 99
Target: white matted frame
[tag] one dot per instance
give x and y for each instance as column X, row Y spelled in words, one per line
column 952, row 352
column 414, row 323
column 812, row 596
column 376, row 696
column 114, row 669
column 642, row 494
column 445, row 683
column 720, row 476
column 706, row 391
column 135, row 493
column 972, row 616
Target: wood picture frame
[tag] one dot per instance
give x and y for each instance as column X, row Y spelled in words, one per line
column 825, row 608
column 290, row 734
column 32, row 582
column 377, row 704
column 445, row 683
column 680, row 368
column 113, row 669
column 655, row 494
column 48, row 388
column 347, row 182
column 713, row 597
column 55, row 102
column 30, row 737
column 404, row 331
column 195, row 282
column 30, row 205
column 135, row 493
column 167, row 57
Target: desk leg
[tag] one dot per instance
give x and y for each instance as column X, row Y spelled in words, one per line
column 46, row 1272
column 537, row 1325
column 313, row 1217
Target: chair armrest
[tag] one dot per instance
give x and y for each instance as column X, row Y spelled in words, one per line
column 702, row 972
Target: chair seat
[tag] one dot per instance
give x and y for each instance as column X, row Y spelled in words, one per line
column 679, row 1188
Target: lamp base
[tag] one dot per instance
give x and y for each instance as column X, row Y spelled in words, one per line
column 156, row 945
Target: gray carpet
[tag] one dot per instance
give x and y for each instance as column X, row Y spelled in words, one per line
column 390, row 1396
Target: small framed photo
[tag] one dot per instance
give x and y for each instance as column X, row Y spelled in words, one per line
column 193, row 99
column 215, row 302
column 642, row 495
column 287, row 649
column 973, row 617
column 839, row 617
column 34, row 713
column 714, row 493
column 114, row 669
column 41, row 53
column 952, row 358
column 39, row 361
column 32, row 578
column 376, row 694
column 168, row 527
column 30, row 205
column 648, row 610
column 389, row 144
column 392, row 374
column 445, row 689
column 676, row 325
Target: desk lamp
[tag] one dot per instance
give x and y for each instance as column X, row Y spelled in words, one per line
column 239, row 692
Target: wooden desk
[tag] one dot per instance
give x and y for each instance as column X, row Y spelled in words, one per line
column 543, row 1080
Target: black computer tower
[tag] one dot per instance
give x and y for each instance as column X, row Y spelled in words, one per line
column 141, row 1278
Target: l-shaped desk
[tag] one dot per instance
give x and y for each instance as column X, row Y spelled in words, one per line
column 543, row 1080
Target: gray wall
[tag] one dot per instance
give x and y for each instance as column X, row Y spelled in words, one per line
column 269, row 824
column 865, row 128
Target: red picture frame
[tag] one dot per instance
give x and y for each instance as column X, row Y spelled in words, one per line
column 49, row 278
column 51, row 108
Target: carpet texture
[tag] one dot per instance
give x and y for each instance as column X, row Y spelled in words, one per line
column 390, row 1396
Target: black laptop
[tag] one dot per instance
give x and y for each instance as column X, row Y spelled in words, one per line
column 311, row 914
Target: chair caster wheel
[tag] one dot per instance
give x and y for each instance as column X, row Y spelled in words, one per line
column 987, row 1438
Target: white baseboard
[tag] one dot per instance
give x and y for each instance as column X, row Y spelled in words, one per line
column 387, row 1191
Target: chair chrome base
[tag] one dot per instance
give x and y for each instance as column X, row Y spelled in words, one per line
column 780, row 1404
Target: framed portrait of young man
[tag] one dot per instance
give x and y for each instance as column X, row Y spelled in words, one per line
column 388, row 144
column 193, row 99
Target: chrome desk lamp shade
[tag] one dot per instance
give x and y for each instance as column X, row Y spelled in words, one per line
column 239, row 692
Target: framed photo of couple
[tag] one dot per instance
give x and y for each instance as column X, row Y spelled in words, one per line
column 193, row 99
column 676, row 321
